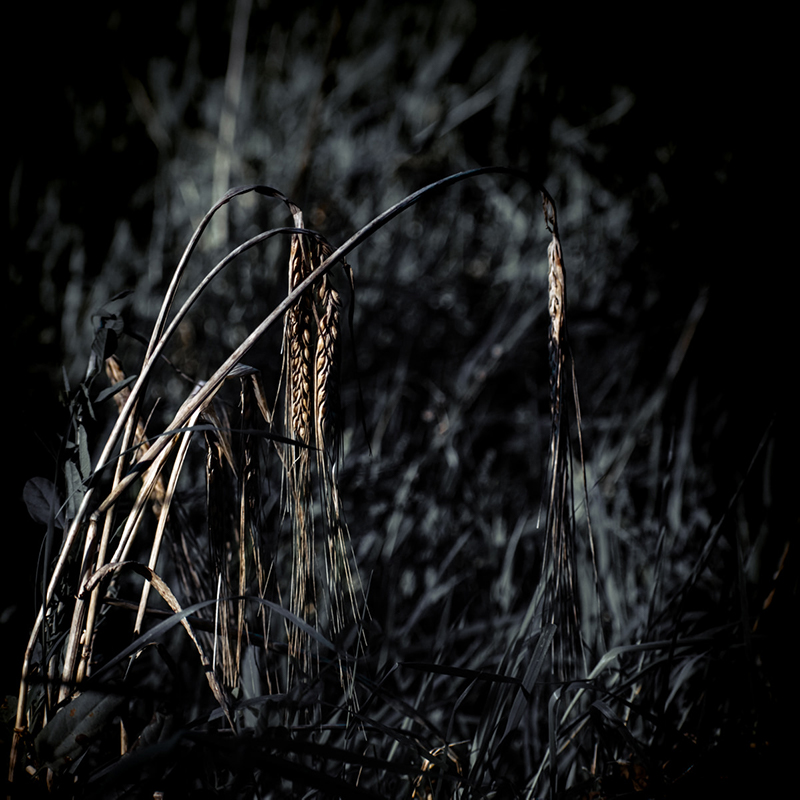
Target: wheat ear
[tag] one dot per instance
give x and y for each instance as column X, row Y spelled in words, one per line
column 341, row 583
column 561, row 597
column 326, row 371
column 297, row 354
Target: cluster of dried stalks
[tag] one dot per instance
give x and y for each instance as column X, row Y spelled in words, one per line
column 107, row 526
column 312, row 353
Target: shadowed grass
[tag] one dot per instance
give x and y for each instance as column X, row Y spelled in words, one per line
column 471, row 662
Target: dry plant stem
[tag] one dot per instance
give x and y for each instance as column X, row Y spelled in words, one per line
column 94, row 601
column 150, row 478
column 162, row 522
column 243, row 528
column 76, row 633
column 19, row 726
column 115, row 375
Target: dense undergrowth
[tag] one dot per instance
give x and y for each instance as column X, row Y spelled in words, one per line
column 444, row 664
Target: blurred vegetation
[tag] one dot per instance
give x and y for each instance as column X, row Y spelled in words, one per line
column 142, row 117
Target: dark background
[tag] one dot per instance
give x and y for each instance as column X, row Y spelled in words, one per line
column 658, row 135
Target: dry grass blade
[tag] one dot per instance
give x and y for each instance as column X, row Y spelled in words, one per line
column 166, row 593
